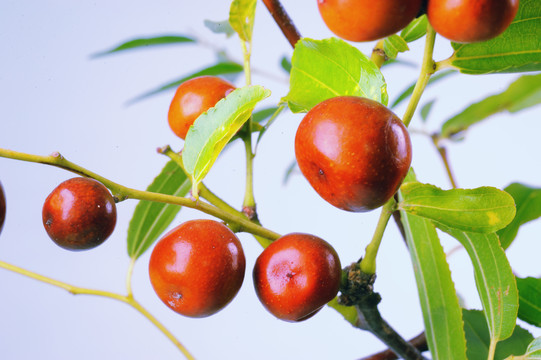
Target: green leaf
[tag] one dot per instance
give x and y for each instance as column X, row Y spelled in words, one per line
column 150, row 219
column 484, row 209
column 495, row 281
column 533, row 352
column 221, row 68
column 322, row 69
column 213, row 129
column 220, row 27
column 441, row 311
column 528, row 202
column 523, row 93
column 241, row 18
column 529, row 291
column 478, row 338
column 425, row 110
column 285, row 63
column 263, row 114
column 415, row 30
column 409, row 90
column 518, row 49
column 292, row 167
column 148, row 42
column 393, row 45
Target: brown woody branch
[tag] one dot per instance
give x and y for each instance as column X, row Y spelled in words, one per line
column 418, row 342
column 283, row 20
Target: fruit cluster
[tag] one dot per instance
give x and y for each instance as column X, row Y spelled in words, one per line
column 462, row 21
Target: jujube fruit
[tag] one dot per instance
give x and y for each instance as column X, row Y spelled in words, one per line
column 79, row 214
column 197, row 268
column 353, row 151
column 296, row 275
column 192, row 98
column 367, row 20
column 2, row 207
column 467, row 21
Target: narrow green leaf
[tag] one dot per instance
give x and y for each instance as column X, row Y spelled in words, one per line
column 241, row 18
column 523, row 93
column 426, row 109
column 292, row 167
column 273, row 117
column 322, row 69
column 148, row 42
column 261, row 115
column 518, row 49
column 529, row 291
column 495, row 281
column 484, row 209
column 441, row 311
column 150, row 219
column 415, row 30
column 221, row 68
column 478, row 338
column 394, row 44
column 409, row 90
column 213, row 129
column 220, row 27
column 528, row 202
column 285, row 63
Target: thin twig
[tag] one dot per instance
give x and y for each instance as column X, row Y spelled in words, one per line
column 283, row 20
column 419, row 342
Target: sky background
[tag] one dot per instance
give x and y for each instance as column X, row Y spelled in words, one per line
column 55, row 97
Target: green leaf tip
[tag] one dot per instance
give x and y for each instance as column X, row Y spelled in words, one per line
column 215, row 128
column 485, row 209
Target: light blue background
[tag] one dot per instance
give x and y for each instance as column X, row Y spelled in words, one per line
column 54, row 97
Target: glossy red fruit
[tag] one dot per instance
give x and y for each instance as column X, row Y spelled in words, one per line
column 367, row 20
column 467, row 21
column 296, row 275
column 197, row 268
column 192, row 98
column 353, row 151
column 2, row 207
column 79, row 214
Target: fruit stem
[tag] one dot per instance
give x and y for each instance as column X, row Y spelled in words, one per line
column 75, row 290
column 123, row 193
column 378, row 56
column 283, row 21
column 428, row 67
column 368, row 262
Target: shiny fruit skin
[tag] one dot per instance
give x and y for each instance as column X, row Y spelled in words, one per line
column 79, row 214
column 2, row 207
column 192, row 98
column 367, row 20
column 197, row 268
column 353, row 151
column 296, row 275
column 467, row 21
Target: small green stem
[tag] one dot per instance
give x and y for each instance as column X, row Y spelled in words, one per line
column 128, row 299
column 378, row 56
column 442, row 151
column 129, row 277
column 492, row 349
column 123, row 192
column 368, row 263
column 427, row 69
column 248, row 204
